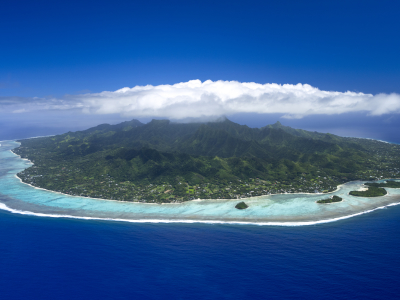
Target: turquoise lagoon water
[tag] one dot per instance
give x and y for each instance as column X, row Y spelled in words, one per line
column 285, row 209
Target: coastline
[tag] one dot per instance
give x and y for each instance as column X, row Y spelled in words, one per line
column 244, row 218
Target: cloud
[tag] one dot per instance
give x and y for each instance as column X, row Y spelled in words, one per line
column 194, row 99
column 25, row 104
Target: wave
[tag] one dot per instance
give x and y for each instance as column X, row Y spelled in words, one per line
column 289, row 224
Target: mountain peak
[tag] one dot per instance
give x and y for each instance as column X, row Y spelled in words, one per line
column 276, row 125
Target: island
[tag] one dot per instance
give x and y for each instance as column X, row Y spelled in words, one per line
column 241, row 205
column 166, row 162
column 372, row 191
column 330, row 200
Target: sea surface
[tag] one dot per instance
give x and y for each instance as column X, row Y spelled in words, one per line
column 65, row 258
column 47, row 258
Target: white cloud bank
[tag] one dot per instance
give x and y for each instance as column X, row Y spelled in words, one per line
column 212, row 98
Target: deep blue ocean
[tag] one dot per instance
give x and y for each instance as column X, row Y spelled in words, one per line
column 47, row 258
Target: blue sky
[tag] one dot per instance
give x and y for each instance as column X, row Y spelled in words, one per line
column 52, row 49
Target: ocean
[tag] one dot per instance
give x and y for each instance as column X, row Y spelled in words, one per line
column 48, row 258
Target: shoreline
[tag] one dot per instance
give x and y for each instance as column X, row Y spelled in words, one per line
column 300, row 220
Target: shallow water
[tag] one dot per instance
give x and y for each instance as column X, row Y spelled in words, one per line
column 286, row 209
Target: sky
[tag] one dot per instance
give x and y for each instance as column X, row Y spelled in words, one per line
column 329, row 66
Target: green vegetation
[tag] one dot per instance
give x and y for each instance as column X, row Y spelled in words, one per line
column 330, row 200
column 389, row 184
column 241, row 205
column 170, row 162
column 371, row 192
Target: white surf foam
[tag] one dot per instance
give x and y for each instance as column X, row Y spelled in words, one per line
column 290, row 224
